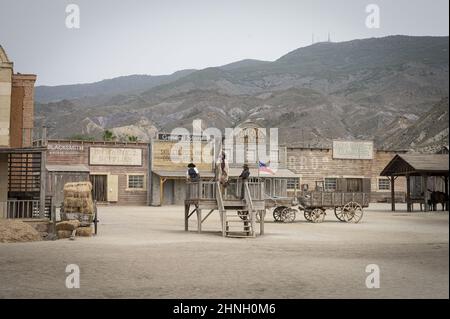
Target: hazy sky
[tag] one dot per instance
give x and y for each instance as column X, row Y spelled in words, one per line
column 159, row 37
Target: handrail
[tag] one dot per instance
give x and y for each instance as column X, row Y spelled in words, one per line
column 248, row 196
column 219, row 198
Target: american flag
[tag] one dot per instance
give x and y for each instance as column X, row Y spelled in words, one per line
column 263, row 168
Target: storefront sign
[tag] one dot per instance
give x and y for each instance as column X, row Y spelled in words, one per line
column 115, row 156
column 352, row 149
column 167, row 155
column 65, row 149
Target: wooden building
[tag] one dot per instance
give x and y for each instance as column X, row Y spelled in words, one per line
column 425, row 173
column 118, row 171
column 343, row 163
column 22, row 147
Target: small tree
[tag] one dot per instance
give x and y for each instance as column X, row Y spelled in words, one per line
column 108, row 135
column 132, row 138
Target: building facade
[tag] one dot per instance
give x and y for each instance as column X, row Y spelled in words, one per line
column 118, row 171
column 319, row 165
column 21, row 157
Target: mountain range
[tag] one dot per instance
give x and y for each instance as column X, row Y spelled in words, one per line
column 393, row 90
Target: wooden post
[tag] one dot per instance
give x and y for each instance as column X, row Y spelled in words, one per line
column 161, row 190
column 261, row 222
column 199, row 220
column 446, row 191
column 425, row 192
column 186, row 217
column 53, row 218
column 43, row 184
column 408, row 194
column 392, row 193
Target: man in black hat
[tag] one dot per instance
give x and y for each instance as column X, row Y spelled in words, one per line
column 244, row 178
column 192, row 173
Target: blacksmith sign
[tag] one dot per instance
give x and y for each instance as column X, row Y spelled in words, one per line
column 353, row 150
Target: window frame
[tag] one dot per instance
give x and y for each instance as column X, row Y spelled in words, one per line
column 378, row 184
column 144, row 186
column 326, row 189
column 296, row 181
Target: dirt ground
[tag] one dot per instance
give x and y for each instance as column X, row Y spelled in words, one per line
column 144, row 252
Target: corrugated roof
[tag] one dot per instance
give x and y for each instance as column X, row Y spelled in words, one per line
column 68, row 168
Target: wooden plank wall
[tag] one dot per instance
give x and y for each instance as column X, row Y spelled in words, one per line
column 75, row 152
column 316, row 164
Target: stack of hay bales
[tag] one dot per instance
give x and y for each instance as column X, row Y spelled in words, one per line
column 78, row 200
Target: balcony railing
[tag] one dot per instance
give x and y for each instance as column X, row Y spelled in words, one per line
column 206, row 190
column 14, row 208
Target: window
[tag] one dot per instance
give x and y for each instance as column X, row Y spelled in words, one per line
column 293, row 183
column 136, row 181
column 384, row 184
column 330, row 184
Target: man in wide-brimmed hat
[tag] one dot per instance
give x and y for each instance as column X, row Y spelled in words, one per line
column 245, row 174
column 192, row 173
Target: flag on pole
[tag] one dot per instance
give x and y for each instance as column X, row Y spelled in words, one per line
column 263, row 168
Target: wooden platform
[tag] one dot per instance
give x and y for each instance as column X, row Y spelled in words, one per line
column 229, row 203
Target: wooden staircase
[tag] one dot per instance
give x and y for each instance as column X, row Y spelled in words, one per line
column 237, row 217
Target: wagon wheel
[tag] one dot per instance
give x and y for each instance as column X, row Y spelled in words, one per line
column 317, row 215
column 277, row 213
column 353, row 212
column 341, row 214
column 289, row 215
column 307, row 214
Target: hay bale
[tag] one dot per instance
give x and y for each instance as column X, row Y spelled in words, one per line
column 64, row 234
column 68, row 225
column 84, row 231
column 12, row 231
column 78, row 198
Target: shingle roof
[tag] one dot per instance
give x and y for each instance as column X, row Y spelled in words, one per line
column 403, row 164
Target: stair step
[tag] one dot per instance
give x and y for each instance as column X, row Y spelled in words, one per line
column 239, row 222
column 239, row 236
column 238, row 227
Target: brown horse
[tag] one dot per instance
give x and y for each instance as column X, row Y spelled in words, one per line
column 438, row 198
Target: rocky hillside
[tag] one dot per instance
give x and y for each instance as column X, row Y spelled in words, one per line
column 428, row 133
column 371, row 89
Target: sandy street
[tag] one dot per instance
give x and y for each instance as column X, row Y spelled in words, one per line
column 144, row 252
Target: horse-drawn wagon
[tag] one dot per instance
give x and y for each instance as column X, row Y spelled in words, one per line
column 347, row 205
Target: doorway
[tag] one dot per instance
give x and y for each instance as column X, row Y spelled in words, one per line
column 99, row 187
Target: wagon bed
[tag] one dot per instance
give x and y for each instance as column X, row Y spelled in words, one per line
column 317, row 199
